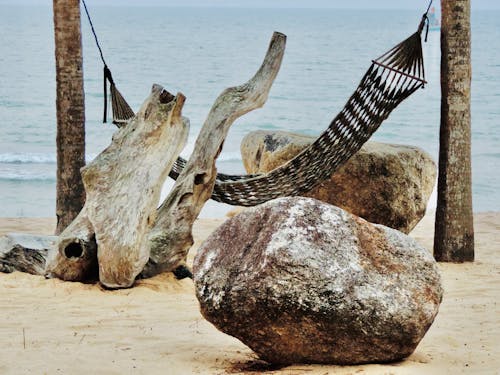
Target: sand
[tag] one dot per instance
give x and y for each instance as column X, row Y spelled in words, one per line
column 55, row 327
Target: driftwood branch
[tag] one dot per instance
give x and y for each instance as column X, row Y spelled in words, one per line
column 123, row 186
column 171, row 236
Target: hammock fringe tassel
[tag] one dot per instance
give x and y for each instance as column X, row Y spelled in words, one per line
column 120, row 108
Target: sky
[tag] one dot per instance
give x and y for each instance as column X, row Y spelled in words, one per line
column 348, row 4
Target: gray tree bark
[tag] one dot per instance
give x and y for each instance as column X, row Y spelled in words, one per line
column 454, row 230
column 70, row 111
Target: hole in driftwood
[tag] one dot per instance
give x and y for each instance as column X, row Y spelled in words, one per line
column 73, row 250
column 199, row 178
column 166, row 97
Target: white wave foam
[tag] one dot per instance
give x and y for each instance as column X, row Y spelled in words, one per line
column 27, row 158
column 27, row 172
column 13, row 176
column 229, row 156
column 33, row 158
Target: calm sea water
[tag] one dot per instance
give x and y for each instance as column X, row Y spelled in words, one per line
column 202, row 51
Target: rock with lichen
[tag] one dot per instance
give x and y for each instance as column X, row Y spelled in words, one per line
column 301, row 281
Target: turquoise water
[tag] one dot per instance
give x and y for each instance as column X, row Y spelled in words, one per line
column 202, row 51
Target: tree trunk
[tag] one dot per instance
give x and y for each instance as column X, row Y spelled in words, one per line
column 454, row 231
column 70, row 112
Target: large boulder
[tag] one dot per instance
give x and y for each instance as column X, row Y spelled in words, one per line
column 383, row 183
column 301, row 281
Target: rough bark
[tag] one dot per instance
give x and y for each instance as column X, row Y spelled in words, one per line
column 454, row 231
column 70, row 111
column 123, row 187
column 171, row 237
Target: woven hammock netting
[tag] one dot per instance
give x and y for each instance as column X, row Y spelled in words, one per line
column 390, row 79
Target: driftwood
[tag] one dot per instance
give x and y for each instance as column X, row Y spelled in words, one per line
column 123, row 186
column 74, row 256
column 25, row 252
column 171, row 237
column 120, row 227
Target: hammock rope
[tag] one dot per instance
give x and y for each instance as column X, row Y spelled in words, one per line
column 389, row 80
column 120, row 108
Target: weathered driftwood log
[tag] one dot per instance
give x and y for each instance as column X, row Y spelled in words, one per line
column 74, row 256
column 25, row 252
column 123, row 186
column 119, row 226
column 171, row 236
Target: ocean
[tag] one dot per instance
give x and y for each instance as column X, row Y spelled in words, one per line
column 201, row 51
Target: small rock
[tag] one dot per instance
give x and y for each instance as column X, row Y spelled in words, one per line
column 301, row 281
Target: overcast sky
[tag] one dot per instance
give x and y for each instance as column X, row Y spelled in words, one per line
column 350, row 4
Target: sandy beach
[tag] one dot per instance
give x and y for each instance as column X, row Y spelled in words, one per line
column 55, row 327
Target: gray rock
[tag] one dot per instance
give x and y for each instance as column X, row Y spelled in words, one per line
column 383, row 183
column 25, row 252
column 263, row 151
column 301, row 281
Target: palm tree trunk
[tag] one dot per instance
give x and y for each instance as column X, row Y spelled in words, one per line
column 70, row 111
column 454, row 230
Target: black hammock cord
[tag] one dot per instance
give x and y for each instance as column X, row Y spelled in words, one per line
column 120, row 108
column 389, row 80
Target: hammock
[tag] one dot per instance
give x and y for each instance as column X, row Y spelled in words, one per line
column 390, row 79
